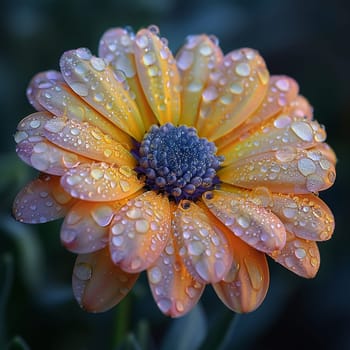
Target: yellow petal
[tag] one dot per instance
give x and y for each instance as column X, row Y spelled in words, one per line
column 279, row 133
column 202, row 246
column 117, row 48
column 140, row 231
column 100, row 182
column 98, row 284
column 85, row 228
column 286, row 171
column 42, row 200
column 86, row 140
column 34, row 149
column 245, row 286
column 173, row 288
column 195, row 60
column 97, row 84
column 299, row 256
column 273, row 104
column 158, row 75
column 252, row 223
column 234, row 92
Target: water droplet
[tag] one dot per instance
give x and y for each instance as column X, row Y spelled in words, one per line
column 68, row 236
column 255, row 276
column 80, row 89
column 282, row 121
column 185, row 59
column 289, row 212
column 34, row 124
column 283, row 85
column 117, row 229
column 164, row 305
column 73, row 180
column 205, row 50
column 83, row 53
column 142, row 226
column 83, row 271
column 97, row 174
column 102, row 215
column 142, row 41
column 149, row 58
column 98, row 63
column 210, row 94
column 196, row 248
column 243, row 221
column 54, row 125
column 236, row 88
column 303, row 130
column 300, row 253
column 20, row 136
column 306, row 166
column 155, row 275
column 243, row 69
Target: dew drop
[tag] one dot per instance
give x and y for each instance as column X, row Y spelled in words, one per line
column 98, row 63
column 302, row 130
column 155, row 275
column 306, row 166
column 283, row 85
column 164, row 305
column 83, row 271
column 300, row 253
column 185, row 60
column 243, row 221
column 102, row 215
column 196, row 248
column 236, row 88
column 68, row 236
column 149, row 58
column 142, row 226
column 80, row 89
column 142, row 41
column 243, row 69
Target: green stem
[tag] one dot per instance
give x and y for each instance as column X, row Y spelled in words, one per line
column 122, row 321
column 226, row 344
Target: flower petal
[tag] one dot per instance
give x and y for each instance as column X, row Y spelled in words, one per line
column 282, row 90
column 173, row 288
column 86, row 140
column 233, row 93
column 252, row 223
column 195, row 60
column 158, row 75
column 287, row 171
column 299, row 256
column 84, row 228
column 39, row 153
column 40, row 81
column 100, row 182
column 98, row 284
column 202, row 246
column 97, row 84
column 245, row 286
column 300, row 107
column 117, row 48
column 42, row 200
column 306, row 216
column 279, row 133
column 55, row 96
column 140, row 231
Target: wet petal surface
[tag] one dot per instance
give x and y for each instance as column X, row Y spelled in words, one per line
column 233, row 93
column 42, row 200
column 198, row 58
column 100, row 182
column 252, row 223
column 140, row 231
column 289, row 170
column 202, row 246
column 299, row 256
column 96, row 83
column 98, row 284
column 158, row 75
column 245, row 286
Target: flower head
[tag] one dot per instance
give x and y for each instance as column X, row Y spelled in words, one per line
column 193, row 168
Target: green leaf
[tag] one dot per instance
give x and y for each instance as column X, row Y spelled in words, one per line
column 186, row 333
column 18, row 343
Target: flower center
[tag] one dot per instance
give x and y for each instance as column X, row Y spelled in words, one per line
column 176, row 161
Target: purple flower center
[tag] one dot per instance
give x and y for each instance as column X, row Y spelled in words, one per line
column 176, row 161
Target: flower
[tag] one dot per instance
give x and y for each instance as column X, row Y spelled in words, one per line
column 193, row 168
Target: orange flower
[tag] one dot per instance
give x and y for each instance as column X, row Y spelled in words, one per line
column 193, row 168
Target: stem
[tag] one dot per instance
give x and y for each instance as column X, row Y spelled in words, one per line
column 122, row 321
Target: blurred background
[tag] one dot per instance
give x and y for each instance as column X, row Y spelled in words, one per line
column 307, row 40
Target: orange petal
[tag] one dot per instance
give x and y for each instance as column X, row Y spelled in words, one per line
column 140, row 231
column 39, row 153
column 306, row 216
column 195, row 60
column 202, row 246
column 282, row 90
column 100, row 182
column 84, row 229
column 56, row 97
column 252, row 223
column 299, row 256
column 98, row 284
column 326, row 151
column 173, row 288
column 233, row 93
column 97, row 84
column 158, row 75
column 117, row 48
column 86, row 140
column 42, row 200
column 300, row 107
column 245, row 286
column 287, row 171
column 279, row 133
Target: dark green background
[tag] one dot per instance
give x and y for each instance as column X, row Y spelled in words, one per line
column 307, row 40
